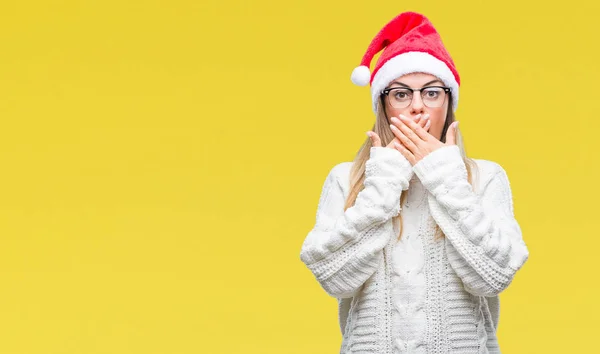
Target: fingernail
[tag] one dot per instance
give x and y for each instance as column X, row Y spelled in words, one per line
column 402, row 117
column 369, row 134
column 456, row 125
column 392, row 126
column 426, row 116
column 418, row 115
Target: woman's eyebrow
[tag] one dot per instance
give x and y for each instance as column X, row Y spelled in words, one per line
column 405, row 85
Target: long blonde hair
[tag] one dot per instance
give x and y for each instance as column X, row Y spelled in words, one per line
column 382, row 128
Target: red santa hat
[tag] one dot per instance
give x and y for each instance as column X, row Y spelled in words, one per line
column 410, row 44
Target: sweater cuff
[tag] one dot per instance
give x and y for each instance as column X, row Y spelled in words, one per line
column 402, row 167
column 440, row 164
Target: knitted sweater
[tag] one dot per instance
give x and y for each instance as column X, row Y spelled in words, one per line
column 456, row 280
column 409, row 294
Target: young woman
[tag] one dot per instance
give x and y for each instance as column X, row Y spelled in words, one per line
column 413, row 238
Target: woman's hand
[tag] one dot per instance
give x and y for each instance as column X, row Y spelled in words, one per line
column 414, row 142
column 424, row 123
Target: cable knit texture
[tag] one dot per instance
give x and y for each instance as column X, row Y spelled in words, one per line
column 409, row 294
column 416, row 295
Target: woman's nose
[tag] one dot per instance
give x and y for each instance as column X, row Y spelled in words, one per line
column 417, row 105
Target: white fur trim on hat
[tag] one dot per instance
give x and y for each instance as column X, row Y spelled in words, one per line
column 411, row 62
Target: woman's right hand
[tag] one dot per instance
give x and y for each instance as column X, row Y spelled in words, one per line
column 376, row 140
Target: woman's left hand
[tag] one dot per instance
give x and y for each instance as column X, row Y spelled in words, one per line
column 416, row 141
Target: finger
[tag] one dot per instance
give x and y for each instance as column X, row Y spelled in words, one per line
column 391, row 143
column 408, row 143
column 423, row 122
column 427, row 125
column 419, row 119
column 451, row 134
column 375, row 140
column 416, row 133
column 408, row 132
column 405, row 152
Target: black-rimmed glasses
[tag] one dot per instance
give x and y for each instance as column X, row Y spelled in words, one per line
column 401, row 97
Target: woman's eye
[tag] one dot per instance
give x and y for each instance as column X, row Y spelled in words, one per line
column 400, row 95
column 432, row 94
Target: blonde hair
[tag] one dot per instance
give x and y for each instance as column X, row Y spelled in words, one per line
column 382, row 128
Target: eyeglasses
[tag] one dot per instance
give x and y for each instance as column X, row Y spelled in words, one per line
column 401, row 97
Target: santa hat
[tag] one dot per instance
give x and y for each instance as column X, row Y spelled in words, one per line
column 411, row 45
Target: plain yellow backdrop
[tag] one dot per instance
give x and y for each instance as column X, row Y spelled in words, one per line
column 162, row 163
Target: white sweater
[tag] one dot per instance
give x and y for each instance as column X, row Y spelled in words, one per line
column 448, row 301
column 409, row 290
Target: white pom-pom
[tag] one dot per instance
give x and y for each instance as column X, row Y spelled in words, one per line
column 361, row 75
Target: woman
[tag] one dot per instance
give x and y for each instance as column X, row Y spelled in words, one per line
column 414, row 239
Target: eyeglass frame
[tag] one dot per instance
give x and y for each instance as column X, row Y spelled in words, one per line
column 386, row 92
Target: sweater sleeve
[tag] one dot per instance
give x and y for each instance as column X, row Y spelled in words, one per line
column 486, row 247
column 344, row 248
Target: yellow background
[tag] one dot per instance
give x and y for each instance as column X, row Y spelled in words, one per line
column 162, row 163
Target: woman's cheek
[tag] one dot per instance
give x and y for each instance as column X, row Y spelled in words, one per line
column 437, row 131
